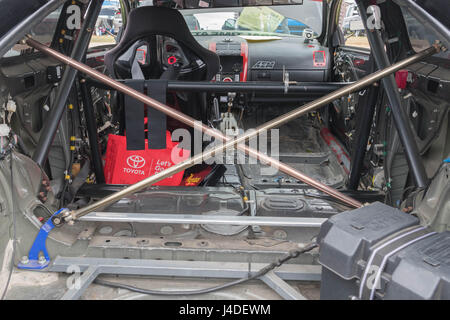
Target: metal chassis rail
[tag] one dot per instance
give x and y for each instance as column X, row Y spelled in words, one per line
column 203, row 219
column 91, row 268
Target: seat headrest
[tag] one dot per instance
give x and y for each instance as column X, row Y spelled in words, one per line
column 149, row 20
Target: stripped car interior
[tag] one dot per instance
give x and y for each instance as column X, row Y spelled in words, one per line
column 225, row 149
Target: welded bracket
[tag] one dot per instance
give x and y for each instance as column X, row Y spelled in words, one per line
column 34, row 261
column 252, row 204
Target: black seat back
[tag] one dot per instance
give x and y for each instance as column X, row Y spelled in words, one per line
column 147, row 21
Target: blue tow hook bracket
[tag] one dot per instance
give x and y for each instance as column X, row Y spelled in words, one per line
column 39, row 245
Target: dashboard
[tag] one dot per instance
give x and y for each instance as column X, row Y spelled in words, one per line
column 283, row 60
column 268, row 60
column 277, row 59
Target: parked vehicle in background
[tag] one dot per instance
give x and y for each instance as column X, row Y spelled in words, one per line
column 105, row 20
column 351, row 16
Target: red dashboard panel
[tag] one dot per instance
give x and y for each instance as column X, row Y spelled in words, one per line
column 244, row 55
column 234, row 63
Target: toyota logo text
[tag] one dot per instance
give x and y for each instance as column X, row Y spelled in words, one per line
column 135, row 162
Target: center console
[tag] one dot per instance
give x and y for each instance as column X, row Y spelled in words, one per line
column 233, row 60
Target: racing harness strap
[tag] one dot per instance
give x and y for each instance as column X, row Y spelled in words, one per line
column 157, row 122
column 134, row 117
column 135, row 111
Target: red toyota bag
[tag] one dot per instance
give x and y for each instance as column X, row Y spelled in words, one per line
column 124, row 166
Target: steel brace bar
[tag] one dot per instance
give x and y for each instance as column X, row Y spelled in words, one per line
column 59, row 105
column 203, row 219
column 400, row 117
column 93, row 267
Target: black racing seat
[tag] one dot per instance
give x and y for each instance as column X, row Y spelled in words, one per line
column 152, row 26
column 148, row 21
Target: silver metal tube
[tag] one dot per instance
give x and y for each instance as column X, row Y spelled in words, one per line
column 182, row 268
column 53, row 121
column 239, row 142
column 398, row 111
column 27, row 24
column 202, row 219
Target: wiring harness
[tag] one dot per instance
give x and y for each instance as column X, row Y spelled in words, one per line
column 292, row 254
